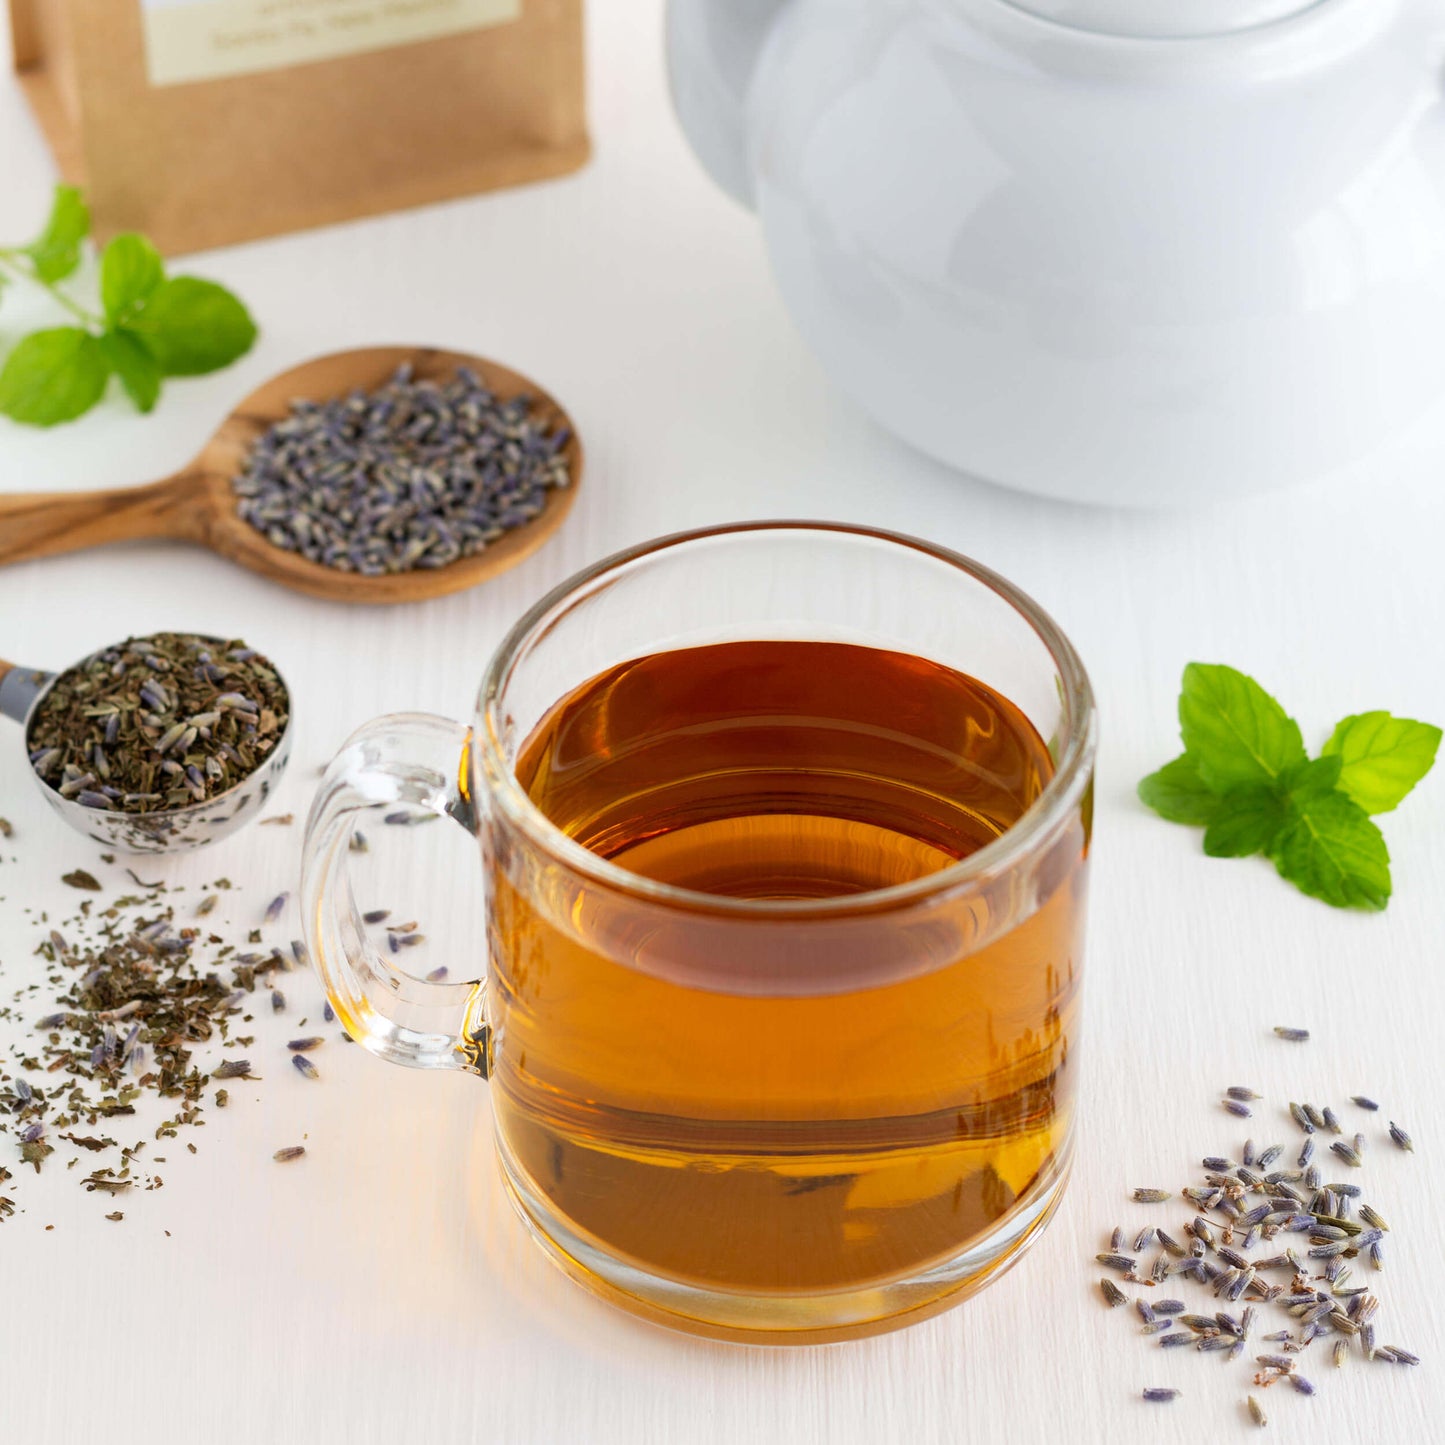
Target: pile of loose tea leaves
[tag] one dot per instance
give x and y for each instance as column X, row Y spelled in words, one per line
column 135, row 994
column 415, row 474
column 158, row 722
column 139, row 1015
column 1235, row 1247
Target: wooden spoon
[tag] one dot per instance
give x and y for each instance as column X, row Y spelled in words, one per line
column 197, row 504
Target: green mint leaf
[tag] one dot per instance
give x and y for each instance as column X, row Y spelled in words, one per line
column 1237, row 734
column 131, row 360
column 130, row 270
column 53, row 376
column 1178, row 793
column 1382, row 757
column 1248, row 822
column 1306, row 780
column 1331, row 850
column 194, row 326
column 55, row 253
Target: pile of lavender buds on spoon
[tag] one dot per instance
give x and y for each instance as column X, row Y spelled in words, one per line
column 415, row 474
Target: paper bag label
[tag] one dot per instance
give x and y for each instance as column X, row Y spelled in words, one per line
column 206, row 39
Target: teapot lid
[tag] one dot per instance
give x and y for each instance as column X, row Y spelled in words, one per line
column 1164, row 19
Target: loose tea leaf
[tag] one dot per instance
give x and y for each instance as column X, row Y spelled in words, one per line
column 135, row 995
column 157, row 723
column 79, row 878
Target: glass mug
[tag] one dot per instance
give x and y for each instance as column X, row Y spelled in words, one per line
column 785, row 900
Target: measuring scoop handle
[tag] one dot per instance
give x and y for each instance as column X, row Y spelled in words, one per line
column 19, row 687
column 41, row 524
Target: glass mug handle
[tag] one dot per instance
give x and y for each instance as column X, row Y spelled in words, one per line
column 415, row 761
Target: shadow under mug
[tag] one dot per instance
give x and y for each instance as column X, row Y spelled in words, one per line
column 771, row 1120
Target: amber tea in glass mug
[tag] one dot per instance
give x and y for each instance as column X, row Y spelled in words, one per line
column 784, row 833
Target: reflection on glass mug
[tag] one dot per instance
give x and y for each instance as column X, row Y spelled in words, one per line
column 784, row 833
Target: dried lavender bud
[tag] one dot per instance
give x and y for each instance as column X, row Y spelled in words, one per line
column 1121, row 1262
column 414, row 474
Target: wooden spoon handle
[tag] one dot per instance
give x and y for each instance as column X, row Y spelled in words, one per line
column 40, row 524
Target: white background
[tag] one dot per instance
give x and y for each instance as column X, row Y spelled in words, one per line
column 382, row 1289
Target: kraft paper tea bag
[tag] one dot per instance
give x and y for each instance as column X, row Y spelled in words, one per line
column 203, row 122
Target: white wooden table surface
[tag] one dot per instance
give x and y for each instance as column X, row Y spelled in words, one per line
column 382, row 1290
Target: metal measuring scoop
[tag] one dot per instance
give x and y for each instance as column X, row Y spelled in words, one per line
column 169, row 830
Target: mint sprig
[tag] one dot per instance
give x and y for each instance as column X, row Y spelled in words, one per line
column 1245, row 778
column 150, row 326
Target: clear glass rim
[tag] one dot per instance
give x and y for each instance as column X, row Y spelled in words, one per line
column 1038, row 821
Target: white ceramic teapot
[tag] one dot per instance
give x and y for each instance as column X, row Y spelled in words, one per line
column 1123, row 251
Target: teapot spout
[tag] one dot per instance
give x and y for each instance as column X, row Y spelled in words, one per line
column 713, row 47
